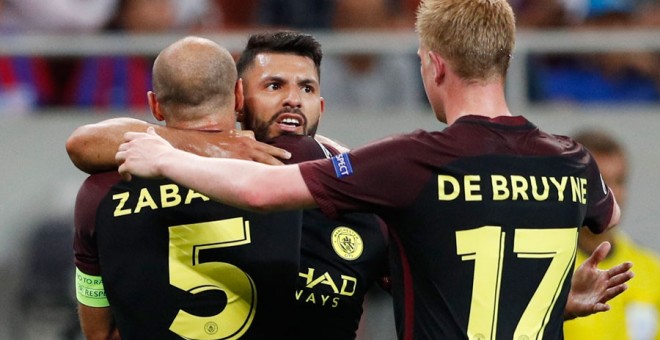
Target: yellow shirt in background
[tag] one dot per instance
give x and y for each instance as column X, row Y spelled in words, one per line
column 635, row 314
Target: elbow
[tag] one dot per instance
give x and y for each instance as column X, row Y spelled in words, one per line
column 616, row 216
column 75, row 148
column 256, row 201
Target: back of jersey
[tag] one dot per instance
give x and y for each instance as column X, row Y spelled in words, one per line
column 177, row 265
column 484, row 219
column 490, row 238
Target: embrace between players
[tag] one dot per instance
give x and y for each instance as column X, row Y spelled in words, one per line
column 466, row 267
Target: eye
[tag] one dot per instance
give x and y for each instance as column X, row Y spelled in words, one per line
column 273, row 86
column 308, row 89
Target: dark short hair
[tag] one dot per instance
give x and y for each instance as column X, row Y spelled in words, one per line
column 286, row 42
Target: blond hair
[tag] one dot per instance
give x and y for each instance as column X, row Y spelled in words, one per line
column 476, row 37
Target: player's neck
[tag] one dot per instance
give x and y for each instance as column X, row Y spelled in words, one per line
column 210, row 122
column 476, row 99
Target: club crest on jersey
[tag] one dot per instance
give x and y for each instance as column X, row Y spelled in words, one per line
column 342, row 165
column 347, row 243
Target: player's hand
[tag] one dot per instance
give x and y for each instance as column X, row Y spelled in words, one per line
column 238, row 145
column 140, row 153
column 592, row 288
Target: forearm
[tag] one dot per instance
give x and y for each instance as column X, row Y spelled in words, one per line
column 243, row 184
column 92, row 147
column 97, row 323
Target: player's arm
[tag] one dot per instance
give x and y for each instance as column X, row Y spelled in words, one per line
column 616, row 214
column 592, row 288
column 92, row 147
column 96, row 320
column 97, row 323
column 247, row 185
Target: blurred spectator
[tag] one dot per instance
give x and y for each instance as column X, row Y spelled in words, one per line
column 113, row 82
column 197, row 14
column 296, row 14
column 27, row 82
column 621, row 77
column 121, row 82
column 405, row 13
column 578, row 10
column 648, row 14
column 143, row 16
column 540, row 14
column 238, row 14
column 364, row 81
column 55, row 15
column 635, row 314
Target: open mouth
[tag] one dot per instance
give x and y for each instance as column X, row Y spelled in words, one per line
column 290, row 122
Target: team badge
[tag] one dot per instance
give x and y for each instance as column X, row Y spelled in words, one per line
column 347, row 243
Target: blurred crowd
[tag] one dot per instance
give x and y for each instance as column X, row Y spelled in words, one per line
column 33, row 82
column 631, row 77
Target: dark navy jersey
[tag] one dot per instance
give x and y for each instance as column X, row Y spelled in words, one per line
column 483, row 218
column 177, row 265
column 340, row 260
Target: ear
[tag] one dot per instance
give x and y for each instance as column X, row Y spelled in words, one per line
column 322, row 107
column 439, row 67
column 239, row 98
column 155, row 106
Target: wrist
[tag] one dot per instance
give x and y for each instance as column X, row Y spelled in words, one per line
column 164, row 162
column 569, row 316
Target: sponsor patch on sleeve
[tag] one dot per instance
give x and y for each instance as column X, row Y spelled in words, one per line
column 342, row 165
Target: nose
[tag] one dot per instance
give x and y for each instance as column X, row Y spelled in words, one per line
column 293, row 97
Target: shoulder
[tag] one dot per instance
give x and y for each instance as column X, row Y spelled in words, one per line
column 92, row 192
column 98, row 185
column 302, row 148
column 101, row 180
column 404, row 141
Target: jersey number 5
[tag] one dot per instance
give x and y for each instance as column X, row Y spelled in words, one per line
column 485, row 246
column 188, row 274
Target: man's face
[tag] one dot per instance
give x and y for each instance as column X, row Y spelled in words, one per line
column 614, row 170
column 282, row 96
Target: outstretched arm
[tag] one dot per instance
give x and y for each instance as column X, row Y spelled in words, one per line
column 92, row 147
column 238, row 183
column 592, row 288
